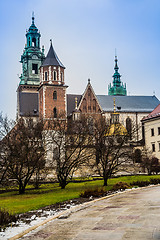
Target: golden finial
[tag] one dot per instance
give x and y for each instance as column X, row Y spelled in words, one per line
column 76, row 103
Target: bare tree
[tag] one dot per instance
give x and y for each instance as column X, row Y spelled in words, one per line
column 5, row 127
column 112, row 148
column 23, row 151
column 71, row 146
column 149, row 162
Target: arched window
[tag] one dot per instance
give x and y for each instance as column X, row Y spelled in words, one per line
column 34, row 42
column 55, row 95
column 55, row 76
column 129, row 127
column 45, row 76
column 55, row 112
column 84, row 105
column 94, row 105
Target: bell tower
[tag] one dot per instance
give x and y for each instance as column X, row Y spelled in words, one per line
column 31, row 60
column 52, row 91
column 32, row 57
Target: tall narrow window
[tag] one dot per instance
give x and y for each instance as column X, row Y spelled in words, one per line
column 45, row 76
column 35, row 68
column 33, row 42
column 94, row 105
column 152, row 131
column 29, row 42
column 129, row 127
column 54, row 95
column 153, row 147
column 55, row 76
column 61, row 77
column 84, row 105
column 158, row 130
column 55, row 112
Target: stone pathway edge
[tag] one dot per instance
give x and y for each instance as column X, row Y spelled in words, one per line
column 72, row 210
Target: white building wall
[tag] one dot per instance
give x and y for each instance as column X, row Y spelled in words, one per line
column 135, row 117
column 155, row 139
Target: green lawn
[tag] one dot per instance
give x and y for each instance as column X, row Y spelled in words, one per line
column 51, row 193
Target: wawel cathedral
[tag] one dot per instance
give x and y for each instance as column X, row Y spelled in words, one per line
column 42, row 91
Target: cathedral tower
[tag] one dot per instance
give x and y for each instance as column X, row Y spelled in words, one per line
column 52, row 91
column 31, row 59
column 118, row 87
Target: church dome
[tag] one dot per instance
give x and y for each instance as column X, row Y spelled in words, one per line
column 116, row 129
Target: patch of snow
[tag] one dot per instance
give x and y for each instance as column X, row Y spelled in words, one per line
column 21, row 226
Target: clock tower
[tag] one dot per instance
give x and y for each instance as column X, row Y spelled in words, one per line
column 31, row 60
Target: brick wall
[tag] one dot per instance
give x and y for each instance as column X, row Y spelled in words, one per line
column 89, row 103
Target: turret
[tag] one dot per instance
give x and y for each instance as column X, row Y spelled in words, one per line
column 118, row 88
column 52, row 91
column 52, row 70
column 32, row 57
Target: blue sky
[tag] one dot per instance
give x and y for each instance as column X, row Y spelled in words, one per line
column 85, row 34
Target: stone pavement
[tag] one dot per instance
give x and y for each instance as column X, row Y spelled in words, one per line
column 133, row 215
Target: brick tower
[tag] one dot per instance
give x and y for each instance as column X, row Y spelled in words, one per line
column 52, row 90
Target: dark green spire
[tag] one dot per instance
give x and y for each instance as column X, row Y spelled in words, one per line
column 32, row 57
column 118, row 87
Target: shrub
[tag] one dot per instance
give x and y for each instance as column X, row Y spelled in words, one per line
column 120, row 185
column 96, row 192
column 140, row 183
column 154, row 181
column 6, row 218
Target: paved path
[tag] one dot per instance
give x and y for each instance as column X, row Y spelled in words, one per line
column 133, row 215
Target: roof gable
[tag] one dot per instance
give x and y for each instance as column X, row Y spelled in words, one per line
column 89, row 102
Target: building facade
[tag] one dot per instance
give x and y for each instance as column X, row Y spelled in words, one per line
column 151, row 132
column 42, row 91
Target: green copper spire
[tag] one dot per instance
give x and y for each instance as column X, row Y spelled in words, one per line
column 118, row 87
column 32, row 57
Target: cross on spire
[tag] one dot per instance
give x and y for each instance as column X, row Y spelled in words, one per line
column 33, row 17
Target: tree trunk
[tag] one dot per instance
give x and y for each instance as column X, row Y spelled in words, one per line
column 21, row 189
column 62, row 182
column 105, row 179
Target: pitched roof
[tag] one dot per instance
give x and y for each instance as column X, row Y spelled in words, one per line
column 71, row 102
column 128, row 103
column 89, row 86
column 154, row 114
column 28, row 104
column 52, row 58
